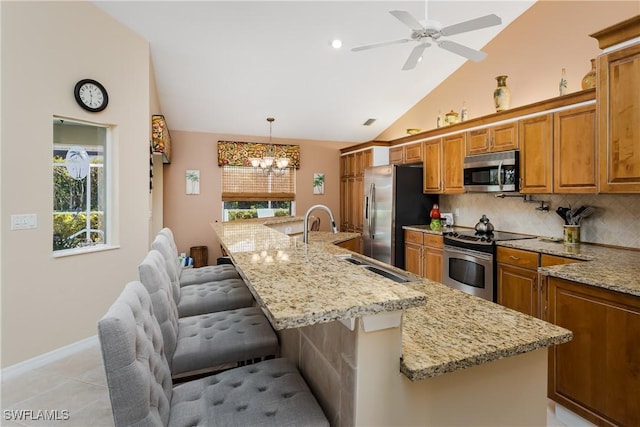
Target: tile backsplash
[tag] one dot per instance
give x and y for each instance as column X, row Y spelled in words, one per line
column 616, row 220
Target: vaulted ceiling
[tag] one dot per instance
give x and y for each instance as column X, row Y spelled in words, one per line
column 225, row 66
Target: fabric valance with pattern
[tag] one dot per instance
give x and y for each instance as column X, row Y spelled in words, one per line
column 232, row 153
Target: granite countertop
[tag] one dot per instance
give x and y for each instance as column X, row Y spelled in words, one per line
column 455, row 330
column 298, row 284
column 610, row 268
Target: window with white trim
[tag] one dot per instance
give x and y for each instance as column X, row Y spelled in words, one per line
column 80, row 175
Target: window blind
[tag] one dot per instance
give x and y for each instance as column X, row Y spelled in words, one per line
column 243, row 183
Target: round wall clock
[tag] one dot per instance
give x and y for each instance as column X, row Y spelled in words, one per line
column 91, row 95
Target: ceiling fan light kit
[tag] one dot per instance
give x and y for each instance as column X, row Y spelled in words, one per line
column 429, row 32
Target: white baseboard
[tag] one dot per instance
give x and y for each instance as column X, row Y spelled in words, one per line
column 569, row 418
column 18, row 369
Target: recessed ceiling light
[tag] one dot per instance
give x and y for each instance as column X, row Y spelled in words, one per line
column 336, row 43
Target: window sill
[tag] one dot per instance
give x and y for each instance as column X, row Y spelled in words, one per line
column 85, row 250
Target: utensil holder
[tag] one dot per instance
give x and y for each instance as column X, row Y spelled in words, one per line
column 572, row 235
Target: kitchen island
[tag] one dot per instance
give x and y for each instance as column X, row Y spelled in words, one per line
column 376, row 352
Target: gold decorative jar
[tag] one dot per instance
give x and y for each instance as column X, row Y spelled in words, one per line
column 589, row 79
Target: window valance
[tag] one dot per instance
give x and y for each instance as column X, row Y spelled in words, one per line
column 232, row 153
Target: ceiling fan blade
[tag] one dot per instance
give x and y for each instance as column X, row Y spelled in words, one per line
column 407, row 19
column 372, row 46
column 471, row 25
column 414, row 56
column 467, row 52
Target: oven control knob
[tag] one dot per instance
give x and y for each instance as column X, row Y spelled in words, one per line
column 488, row 239
column 483, row 238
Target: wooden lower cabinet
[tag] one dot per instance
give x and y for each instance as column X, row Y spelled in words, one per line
column 597, row 373
column 354, row 245
column 423, row 254
column 518, row 280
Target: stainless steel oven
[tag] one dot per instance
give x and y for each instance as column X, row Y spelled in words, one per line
column 469, row 271
column 469, row 261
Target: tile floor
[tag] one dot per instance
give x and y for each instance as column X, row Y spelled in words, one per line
column 76, row 388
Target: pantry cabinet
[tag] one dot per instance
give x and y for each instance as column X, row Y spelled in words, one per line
column 351, row 189
column 618, row 99
column 491, row 139
column 596, row 374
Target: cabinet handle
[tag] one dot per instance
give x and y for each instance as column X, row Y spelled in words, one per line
column 514, row 257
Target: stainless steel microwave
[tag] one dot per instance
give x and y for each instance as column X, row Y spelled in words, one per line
column 492, row 172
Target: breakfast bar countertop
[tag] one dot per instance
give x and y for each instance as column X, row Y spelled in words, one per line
column 615, row 269
column 299, row 284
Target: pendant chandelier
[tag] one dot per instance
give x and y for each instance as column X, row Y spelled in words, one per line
column 269, row 163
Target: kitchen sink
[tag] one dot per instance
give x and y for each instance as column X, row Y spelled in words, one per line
column 374, row 268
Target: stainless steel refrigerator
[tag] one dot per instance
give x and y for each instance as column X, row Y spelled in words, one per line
column 393, row 198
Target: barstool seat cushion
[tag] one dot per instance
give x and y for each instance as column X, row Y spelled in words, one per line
column 269, row 393
column 211, row 340
column 210, row 273
column 211, row 297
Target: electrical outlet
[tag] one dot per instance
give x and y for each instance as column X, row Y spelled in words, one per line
column 24, row 222
column 457, row 212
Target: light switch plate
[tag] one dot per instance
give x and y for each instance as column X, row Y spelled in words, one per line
column 24, row 221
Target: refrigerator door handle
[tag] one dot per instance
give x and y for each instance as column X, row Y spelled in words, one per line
column 372, row 196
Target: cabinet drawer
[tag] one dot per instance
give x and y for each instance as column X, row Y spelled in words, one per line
column 413, row 236
column 433, row 240
column 547, row 260
column 518, row 257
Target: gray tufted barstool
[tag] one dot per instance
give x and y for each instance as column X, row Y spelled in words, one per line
column 210, row 297
column 206, row 342
column 269, row 393
column 189, row 276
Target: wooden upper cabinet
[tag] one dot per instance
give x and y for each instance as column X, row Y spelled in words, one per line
column 432, row 166
column 406, row 154
column 413, row 153
column 618, row 99
column 536, row 154
column 491, row 139
column 395, row 155
column 359, row 163
column 574, row 151
column 453, row 152
column 367, row 159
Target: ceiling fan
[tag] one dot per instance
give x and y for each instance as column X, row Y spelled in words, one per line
column 430, row 31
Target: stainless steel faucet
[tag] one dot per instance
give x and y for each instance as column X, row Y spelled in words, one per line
column 305, row 233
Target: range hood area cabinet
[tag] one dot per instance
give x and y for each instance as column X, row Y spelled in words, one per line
column 618, row 100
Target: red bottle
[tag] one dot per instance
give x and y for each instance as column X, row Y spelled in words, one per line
column 435, row 212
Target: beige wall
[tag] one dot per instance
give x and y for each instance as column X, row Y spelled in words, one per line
column 189, row 216
column 532, row 51
column 47, row 302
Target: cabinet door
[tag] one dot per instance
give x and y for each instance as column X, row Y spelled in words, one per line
column 413, row 258
column 359, row 163
column 354, row 203
column 395, row 156
column 504, row 137
column 478, row 141
column 432, row 166
column 344, row 204
column 574, row 151
column 367, row 158
column 597, row 373
column 432, row 267
column 453, row 150
column 618, row 99
column 518, row 289
column 413, row 153
column 536, row 154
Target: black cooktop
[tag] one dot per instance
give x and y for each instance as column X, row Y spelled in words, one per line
column 471, row 236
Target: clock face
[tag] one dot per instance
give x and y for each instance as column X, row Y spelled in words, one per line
column 91, row 95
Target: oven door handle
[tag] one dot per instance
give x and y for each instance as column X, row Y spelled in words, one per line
column 468, row 253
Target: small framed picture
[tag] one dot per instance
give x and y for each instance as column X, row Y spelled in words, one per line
column 318, row 183
column 193, row 181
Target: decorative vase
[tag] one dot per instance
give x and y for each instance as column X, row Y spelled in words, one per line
column 563, row 83
column 589, row 79
column 502, row 94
